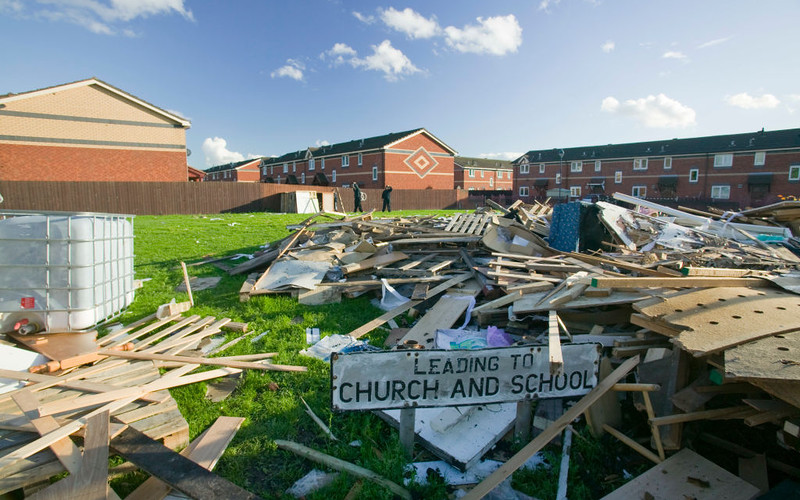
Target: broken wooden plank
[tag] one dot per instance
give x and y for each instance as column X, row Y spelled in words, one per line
column 383, row 318
column 176, row 470
column 443, row 314
column 673, row 282
column 554, row 344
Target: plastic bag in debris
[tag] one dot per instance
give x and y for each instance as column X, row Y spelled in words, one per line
column 389, row 296
column 336, row 343
column 311, row 482
column 470, row 339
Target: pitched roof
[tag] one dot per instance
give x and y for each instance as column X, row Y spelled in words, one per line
column 485, row 163
column 94, row 81
column 233, row 166
column 731, row 143
column 355, row 146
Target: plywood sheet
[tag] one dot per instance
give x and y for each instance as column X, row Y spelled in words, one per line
column 685, row 475
column 775, row 358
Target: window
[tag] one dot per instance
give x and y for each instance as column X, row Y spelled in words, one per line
column 618, row 177
column 345, row 160
column 794, row 172
column 263, row 170
column 575, row 191
column 286, row 168
column 279, row 179
column 720, row 192
column 360, row 159
column 639, row 191
column 541, row 168
column 524, row 168
column 598, row 165
column 375, row 173
column 499, row 174
column 294, row 166
column 322, row 164
column 271, row 169
column 303, row 178
column 482, row 172
column 523, row 191
column 311, row 163
column 723, row 160
column 491, row 181
column 667, row 163
column 558, row 178
column 333, row 176
column 471, row 172
column 760, row 158
column 640, row 163
column 576, row 166
column 694, row 175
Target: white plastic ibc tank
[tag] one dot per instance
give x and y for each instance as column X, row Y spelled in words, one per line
column 64, row 271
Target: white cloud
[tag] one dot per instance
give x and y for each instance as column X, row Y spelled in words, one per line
column 217, row 153
column 545, row 4
column 410, row 22
column 652, row 111
column 793, row 101
column 711, row 43
column 322, row 142
column 494, row 35
column 292, row 69
column 608, row 46
column 508, row 155
column 674, row 54
column 387, row 59
column 99, row 16
column 746, row 101
column 338, row 53
column 364, row 19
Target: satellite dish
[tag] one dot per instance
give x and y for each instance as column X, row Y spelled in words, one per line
column 188, row 152
column 560, row 153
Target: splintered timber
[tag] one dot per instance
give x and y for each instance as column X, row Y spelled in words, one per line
column 398, row 379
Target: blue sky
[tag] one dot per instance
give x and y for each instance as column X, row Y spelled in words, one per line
column 495, row 79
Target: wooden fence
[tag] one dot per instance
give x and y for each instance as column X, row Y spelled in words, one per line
column 160, row 198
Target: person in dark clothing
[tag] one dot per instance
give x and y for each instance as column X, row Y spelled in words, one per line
column 387, row 199
column 357, row 198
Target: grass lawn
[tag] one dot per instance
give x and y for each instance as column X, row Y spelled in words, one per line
column 252, row 460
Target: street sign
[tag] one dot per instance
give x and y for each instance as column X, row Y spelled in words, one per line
column 434, row 378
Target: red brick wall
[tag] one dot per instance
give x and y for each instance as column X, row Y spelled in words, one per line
column 400, row 176
column 56, row 163
column 248, row 175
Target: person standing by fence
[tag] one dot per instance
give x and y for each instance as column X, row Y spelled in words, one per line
column 357, row 198
column 387, row 199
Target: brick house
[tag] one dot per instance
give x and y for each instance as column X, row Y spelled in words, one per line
column 415, row 159
column 241, row 171
column 483, row 174
column 737, row 170
column 89, row 131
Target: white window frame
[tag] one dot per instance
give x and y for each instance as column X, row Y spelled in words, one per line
column 524, row 192
column 667, row 163
column 794, row 173
column 721, row 192
column 576, row 166
column 333, row 176
column 471, row 172
column 264, row 170
column 759, row 158
column 322, row 164
column 312, row 163
column 639, row 191
column 294, row 166
column 575, row 191
column 541, row 168
column 285, row 168
column 482, row 172
column 694, row 173
column 558, row 178
column 499, row 174
column 278, row 180
column 303, row 178
column 598, row 165
column 360, row 159
column 375, row 173
column 491, row 181
column 618, row 177
column 723, row 160
column 640, row 163
column 524, row 168
column 345, row 161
